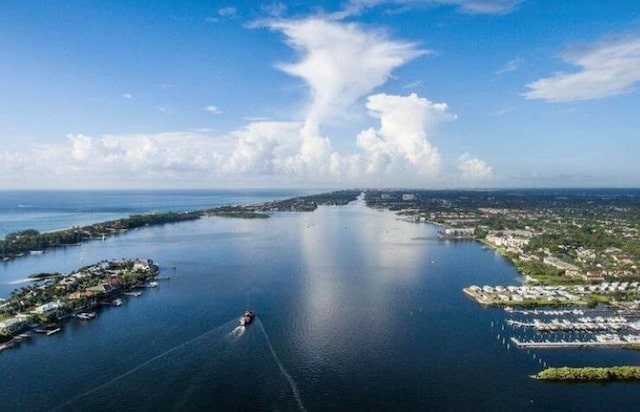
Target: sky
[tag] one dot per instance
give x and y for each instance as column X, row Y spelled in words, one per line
column 333, row 94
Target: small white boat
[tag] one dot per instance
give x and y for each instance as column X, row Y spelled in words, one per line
column 116, row 302
column 86, row 315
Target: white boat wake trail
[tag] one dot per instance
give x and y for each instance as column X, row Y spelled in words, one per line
column 292, row 383
column 17, row 282
column 237, row 332
column 142, row 365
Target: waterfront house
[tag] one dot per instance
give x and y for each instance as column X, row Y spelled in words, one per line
column 141, row 266
column 12, row 325
column 101, row 289
column 49, row 308
column 569, row 269
column 459, row 232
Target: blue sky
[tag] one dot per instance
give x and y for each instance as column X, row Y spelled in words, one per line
column 411, row 93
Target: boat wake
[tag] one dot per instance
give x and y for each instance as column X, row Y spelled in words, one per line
column 223, row 363
column 19, row 281
column 237, row 332
column 292, row 383
column 144, row 364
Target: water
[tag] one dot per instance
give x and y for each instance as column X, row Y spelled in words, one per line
column 356, row 311
column 50, row 210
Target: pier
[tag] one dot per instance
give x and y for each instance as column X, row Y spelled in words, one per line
column 614, row 341
column 584, row 324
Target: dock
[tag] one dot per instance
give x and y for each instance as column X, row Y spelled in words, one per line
column 584, row 324
column 569, row 344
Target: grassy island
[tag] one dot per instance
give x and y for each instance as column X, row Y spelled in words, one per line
column 614, row 373
column 632, row 346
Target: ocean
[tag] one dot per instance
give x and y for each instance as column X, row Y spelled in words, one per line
column 46, row 210
column 356, row 310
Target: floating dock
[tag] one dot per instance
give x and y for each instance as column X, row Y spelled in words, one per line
column 569, row 344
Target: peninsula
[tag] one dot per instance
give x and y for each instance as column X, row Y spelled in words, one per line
column 33, row 242
column 43, row 305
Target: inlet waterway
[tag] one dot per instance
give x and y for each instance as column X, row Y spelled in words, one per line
column 357, row 310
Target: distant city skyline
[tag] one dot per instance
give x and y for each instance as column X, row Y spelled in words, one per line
column 360, row 93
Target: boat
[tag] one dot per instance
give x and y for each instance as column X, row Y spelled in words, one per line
column 116, row 302
column 134, row 294
column 52, row 331
column 247, row 317
column 8, row 345
column 48, row 329
column 86, row 315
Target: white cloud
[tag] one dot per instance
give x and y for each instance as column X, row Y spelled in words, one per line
column 483, row 6
column 227, row 11
column 340, row 62
column 276, row 9
column 512, row 65
column 474, row 169
column 398, row 151
column 256, row 118
column 401, row 145
column 212, row 109
column 356, row 7
column 502, row 112
column 127, row 96
column 264, row 148
column 606, row 69
column 412, row 85
column 117, row 161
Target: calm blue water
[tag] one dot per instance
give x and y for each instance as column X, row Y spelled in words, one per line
column 50, row 210
column 356, row 311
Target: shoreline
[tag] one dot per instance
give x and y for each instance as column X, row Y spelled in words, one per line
column 29, row 242
column 111, row 281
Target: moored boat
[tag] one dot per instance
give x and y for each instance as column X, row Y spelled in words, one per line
column 86, row 315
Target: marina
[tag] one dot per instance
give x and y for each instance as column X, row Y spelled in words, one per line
column 609, row 340
column 584, row 324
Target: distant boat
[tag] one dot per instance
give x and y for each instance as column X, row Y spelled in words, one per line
column 247, row 317
column 117, row 302
column 86, row 315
